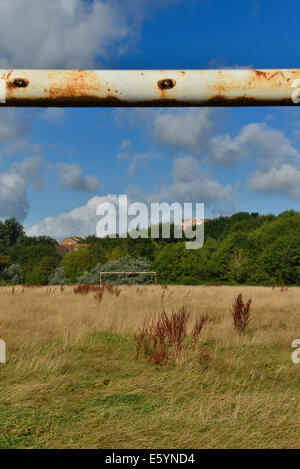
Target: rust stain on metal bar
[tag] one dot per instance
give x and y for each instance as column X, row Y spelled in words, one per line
column 150, row 88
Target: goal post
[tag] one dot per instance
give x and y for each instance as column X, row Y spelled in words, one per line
column 128, row 273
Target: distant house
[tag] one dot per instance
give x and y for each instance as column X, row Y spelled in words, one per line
column 192, row 222
column 70, row 244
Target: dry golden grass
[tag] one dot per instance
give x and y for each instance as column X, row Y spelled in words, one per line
column 239, row 391
column 39, row 315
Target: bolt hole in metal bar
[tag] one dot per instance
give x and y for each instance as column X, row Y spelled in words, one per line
column 153, row 88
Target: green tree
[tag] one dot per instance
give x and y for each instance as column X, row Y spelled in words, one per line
column 97, row 254
column 38, row 272
column 5, row 261
column 33, row 249
column 281, row 260
column 238, row 266
column 10, row 232
column 76, row 263
column 141, row 247
column 34, row 276
column 169, row 263
column 116, row 253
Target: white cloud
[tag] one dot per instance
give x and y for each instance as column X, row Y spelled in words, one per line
column 13, row 125
column 81, row 221
column 21, row 146
column 187, row 129
column 13, row 196
column 13, row 187
column 284, row 181
column 269, row 146
column 191, row 131
column 30, row 170
column 71, row 178
column 142, row 117
column 277, row 159
column 127, row 152
column 221, row 63
column 140, row 158
column 58, row 34
column 190, row 184
column 68, row 33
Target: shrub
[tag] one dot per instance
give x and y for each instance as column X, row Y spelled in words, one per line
column 13, row 274
column 58, row 278
column 125, row 264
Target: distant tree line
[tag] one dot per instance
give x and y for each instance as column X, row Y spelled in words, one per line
column 246, row 248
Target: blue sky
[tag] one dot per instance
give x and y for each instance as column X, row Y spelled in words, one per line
column 57, row 165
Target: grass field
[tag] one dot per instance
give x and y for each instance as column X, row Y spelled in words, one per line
column 71, row 379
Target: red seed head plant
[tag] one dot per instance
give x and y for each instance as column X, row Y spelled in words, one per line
column 198, row 326
column 109, row 288
column 166, row 334
column 88, row 287
column 99, row 290
column 98, row 297
column 241, row 313
column 175, row 326
column 160, row 357
column 143, row 339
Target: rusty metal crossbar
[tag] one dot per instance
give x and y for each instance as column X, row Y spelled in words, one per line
column 153, row 88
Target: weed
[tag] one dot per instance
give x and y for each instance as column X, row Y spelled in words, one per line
column 86, row 288
column 241, row 313
column 98, row 297
column 99, row 290
column 165, row 334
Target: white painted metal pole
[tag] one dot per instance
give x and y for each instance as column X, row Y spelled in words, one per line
column 117, row 88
